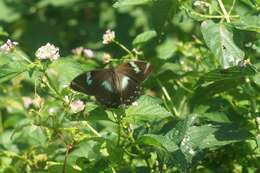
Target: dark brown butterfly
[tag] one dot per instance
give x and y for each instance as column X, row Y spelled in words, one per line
column 114, row 86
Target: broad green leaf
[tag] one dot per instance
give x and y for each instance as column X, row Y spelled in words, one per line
column 219, row 38
column 63, row 71
column 158, row 141
column 231, row 74
column 221, row 80
column 215, row 117
column 124, row 3
column 115, row 153
column 3, row 32
column 8, row 14
column 57, row 3
column 144, row 37
column 210, row 136
column 162, row 13
column 89, row 149
column 178, row 133
column 148, row 109
column 249, row 23
column 33, row 135
column 11, row 70
column 167, row 49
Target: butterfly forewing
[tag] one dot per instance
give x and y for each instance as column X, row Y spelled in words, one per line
column 137, row 70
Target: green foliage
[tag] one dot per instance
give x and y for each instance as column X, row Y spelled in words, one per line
column 199, row 110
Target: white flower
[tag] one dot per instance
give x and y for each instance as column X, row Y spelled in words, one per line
column 108, row 37
column 88, row 53
column 52, row 111
column 38, row 102
column 135, row 103
column 77, row 106
column 27, row 101
column 48, row 51
column 77, row 51
column 106, row 58
column 8, row 46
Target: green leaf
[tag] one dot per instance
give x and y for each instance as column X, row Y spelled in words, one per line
column 162, row 13
column 144, row 37
column 148, row 109
column 178, row 133
column 11, row 70
column 166, row 50
column 89, row 149
column 231, row 74
column 124, row 3
column 8, row 14
column 219, row 38
column 215, row 117
column 63, row 71
column 158, row 141
column 210, row 136
column 56, row 3
column 3, row 32
column 115, row 153
column 249, row 23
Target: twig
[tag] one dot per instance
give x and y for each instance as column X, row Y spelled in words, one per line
column 118, row 119
column 92, row 129
column 233, row 5
column 124, row 48
column 167, row 96
column 226, row 15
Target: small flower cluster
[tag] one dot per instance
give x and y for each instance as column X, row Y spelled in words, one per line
column 77, row 106
column 108, row 37
column 48, row 51
column 88, row 53
column 8, row 46
column 28, row 101
column 106, row 58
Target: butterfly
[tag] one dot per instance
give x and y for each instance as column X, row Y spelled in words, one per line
column 114, row 87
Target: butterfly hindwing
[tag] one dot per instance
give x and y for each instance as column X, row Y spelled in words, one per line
column 129, row 90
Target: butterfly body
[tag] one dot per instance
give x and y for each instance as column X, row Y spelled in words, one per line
column 115, row 86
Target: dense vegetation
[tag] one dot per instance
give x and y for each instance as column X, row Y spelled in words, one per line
column 200, row 108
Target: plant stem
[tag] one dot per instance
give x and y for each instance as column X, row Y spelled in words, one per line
column 65, row 160
column 92, row 129
column 226, row 15
column 124, row 48
column 1, row 123
column 51, row 86
column 118, row 121
column 23, row 57
column 233, row 4
column 167, row 97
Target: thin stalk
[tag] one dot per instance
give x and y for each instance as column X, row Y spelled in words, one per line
column 124, row 48
column 231, row 9
column 51, row 86
column 226, row 15
column 92, row 129
column 1, row 123
column 65, row 160
column 183, row 87
column 118, row 120
column 23, row 57
column 167, row 96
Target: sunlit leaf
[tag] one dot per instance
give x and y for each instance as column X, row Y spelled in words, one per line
column 219, row 38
